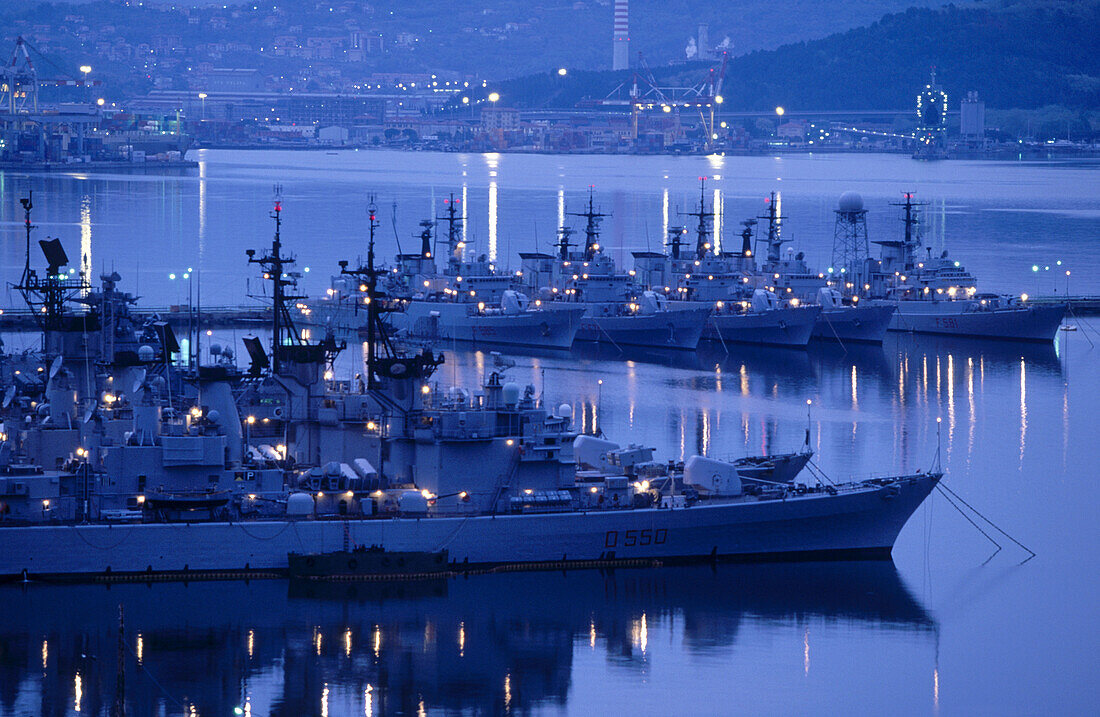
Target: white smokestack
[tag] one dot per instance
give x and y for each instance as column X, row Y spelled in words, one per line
column 620, row 57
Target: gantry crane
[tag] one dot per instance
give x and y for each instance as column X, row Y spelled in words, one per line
column 643, row 93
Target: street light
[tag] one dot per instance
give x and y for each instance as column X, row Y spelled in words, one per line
column 719, row 99
column 562, row 72
column 779, row 111
column 85, row 70
column 202, row 96
column 494, row 97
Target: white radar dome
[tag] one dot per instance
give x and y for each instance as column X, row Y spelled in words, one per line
column 299, row 504
column 851, row 202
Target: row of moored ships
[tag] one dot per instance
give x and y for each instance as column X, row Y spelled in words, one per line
column 118, row 460
column 689, row 292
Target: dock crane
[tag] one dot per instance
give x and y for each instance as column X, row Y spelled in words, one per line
column 642, row 92
column 19, row 80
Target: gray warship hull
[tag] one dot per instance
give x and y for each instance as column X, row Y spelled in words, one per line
column 863, row 324
column 948, row 318
column 440, row 321
column 674, row 329
column 861, row 520
column 790, row 326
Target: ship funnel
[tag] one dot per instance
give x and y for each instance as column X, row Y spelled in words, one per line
column 217, row 397
column 61, row 399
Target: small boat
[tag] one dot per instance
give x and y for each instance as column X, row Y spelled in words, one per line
column 364, row 562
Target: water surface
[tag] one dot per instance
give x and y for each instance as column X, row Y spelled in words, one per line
column 938, row 631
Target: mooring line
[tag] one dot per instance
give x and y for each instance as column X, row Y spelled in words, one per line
column 971, row 521
column 987, row 520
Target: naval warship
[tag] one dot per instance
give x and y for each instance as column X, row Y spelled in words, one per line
column 937, row 295
column 743, row 307
column 468, row 301
column 158, row 480
column 843, row 319
column 617, row 311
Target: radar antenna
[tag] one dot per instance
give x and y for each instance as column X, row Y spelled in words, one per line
column 383, row 360
column 703, row 224
column 285, row 336
column 591, row 227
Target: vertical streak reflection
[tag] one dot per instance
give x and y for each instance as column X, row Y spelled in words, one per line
column 664, row 214
column 717, row 209
column 493, row 162
column 973, row 419
column 806, row 652
column 465, row 186
column 950, row 401
column 202, row 209
column 561, row 208
column 86, row 238
column 1023, row 407
column 493, row 219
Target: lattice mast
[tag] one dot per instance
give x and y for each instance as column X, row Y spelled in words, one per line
column 851, row 248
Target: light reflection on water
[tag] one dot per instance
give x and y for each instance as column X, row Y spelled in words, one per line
column 525, row 641
column 807, row 638
column 146, row 226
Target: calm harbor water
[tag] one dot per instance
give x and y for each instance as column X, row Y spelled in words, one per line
column 938, row 631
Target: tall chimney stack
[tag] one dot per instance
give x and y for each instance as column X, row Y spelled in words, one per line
column 620, row 57
column 705, row 50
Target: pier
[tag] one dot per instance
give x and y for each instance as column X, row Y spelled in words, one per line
column 177, row 315
column 1078, row 305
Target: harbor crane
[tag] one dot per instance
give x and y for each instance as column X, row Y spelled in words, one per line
column 19, row 80
column 642, row 93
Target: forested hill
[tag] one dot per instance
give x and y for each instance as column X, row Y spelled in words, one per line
column 1016, row 55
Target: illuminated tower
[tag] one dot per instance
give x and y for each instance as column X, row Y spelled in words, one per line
column 620, row 49
column 931, row 116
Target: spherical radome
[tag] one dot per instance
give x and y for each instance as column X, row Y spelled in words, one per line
column 851, row 202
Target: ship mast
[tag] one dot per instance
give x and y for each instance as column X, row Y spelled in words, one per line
column 426, row 238
column 378, row 341
column 591, row 227
column 676, row 240
column 275, row 265
column 28, row 204
column 703, row 222
column 746, row 238
column 775, row 228
column 563, row 243
column 454, row 228
column 912, row 226
column 46, row 296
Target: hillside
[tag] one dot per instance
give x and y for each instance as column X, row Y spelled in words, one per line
column 1017, row 55
column 490, row 38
